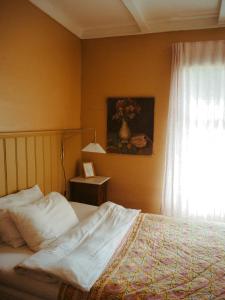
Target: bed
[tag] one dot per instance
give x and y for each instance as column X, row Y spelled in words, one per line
column 158, row 258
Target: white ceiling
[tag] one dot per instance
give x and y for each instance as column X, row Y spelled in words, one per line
column 103, row 18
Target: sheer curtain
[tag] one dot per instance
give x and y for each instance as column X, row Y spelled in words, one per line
column 194, row 183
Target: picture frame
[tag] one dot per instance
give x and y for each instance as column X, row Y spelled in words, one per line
column 130, row 125
column 88, row 169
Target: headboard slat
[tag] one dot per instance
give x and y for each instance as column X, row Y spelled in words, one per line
column 47, row 164
column 11, row 165
column 40, row 161
column 21, row 163
column 31, row 170
column 2, row 169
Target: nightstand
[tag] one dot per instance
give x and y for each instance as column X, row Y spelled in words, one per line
column 91, row 191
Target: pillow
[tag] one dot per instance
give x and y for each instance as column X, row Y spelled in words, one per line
column 8, row 231
column 45, row 220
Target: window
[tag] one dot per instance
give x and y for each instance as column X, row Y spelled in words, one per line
column 195, row 162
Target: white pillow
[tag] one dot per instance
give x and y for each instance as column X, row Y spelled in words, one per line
column 8, row 231
column 45, row 220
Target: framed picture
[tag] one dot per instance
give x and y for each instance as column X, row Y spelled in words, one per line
column 130, row 125
column 88, row 169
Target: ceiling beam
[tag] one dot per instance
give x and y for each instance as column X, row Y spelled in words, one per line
column 137, row 15
column 221, row 18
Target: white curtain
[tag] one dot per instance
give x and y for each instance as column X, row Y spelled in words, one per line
column 194, row 182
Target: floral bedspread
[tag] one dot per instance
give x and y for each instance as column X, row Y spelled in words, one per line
column 163, row 259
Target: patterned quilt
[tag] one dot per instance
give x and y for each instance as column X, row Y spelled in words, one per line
column 164, row 259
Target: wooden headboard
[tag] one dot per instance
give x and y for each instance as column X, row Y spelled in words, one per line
column 30, row 157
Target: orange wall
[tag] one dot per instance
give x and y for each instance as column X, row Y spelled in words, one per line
column 132, row 66
column 40, row 73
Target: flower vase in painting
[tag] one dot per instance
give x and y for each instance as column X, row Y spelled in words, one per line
column 130, row 125
column 124, row 133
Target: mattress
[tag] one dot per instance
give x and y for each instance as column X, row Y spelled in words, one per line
column 11, row 282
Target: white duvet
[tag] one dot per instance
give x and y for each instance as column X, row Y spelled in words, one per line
column 80, row 256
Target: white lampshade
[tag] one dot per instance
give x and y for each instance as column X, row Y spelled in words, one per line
column 93, row 147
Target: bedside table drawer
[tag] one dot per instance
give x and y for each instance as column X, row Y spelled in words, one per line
column 87, row 191
column 83, row 193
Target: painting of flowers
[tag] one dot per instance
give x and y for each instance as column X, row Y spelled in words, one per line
column 130, row 124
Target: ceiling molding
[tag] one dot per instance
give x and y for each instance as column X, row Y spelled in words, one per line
column 205, row 19
column 193, row 16
column 179, row 24
column 221, row 18
column 57, row 14
column 155, row 26
column 137, row 15
column 110, row 31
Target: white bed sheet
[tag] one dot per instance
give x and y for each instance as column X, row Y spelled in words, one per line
column 10, row 257
column 83, row 210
